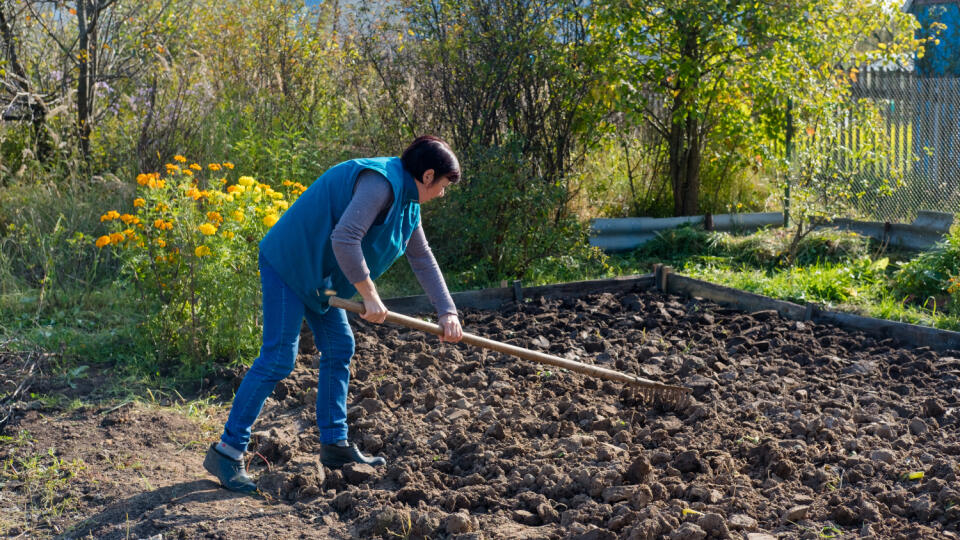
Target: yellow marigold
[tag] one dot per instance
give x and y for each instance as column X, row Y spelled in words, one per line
column 246, row 181
column 196, row 167
column 276, row 194
column 227, row 234
column 215, row 217
column 129, row 233
column 156, row 184
column 161, row 242
column 237, row 215
column 179, row 158
column 270, row 220
column 126, row 218
column 201, row 251
column 188, row 172
column 223, row 181
column 207, row 228
column 281, row 204
column 214, row 166
column 167, row 225
column 116, row 238
column 287, row 183
column 143, row 178
column 171, row 168
column 161, row 207
column 228, row 165
column 158, row 223
column 194, row 193
column 138, row 202
column 103, row 241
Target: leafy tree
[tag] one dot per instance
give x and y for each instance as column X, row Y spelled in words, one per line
column 702, row 71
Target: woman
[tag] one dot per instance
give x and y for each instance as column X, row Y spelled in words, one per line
column 341, row 234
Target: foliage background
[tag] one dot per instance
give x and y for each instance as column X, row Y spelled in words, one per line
column 560, row 110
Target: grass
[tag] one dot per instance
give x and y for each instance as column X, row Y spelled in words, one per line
column 35, row 485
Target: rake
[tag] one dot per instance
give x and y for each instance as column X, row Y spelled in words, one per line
column 676, row 397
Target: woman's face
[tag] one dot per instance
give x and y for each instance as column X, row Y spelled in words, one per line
column 431, row 187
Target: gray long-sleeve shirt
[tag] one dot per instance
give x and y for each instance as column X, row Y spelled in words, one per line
column 372, row 197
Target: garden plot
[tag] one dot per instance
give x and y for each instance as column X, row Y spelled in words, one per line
column 795, row 430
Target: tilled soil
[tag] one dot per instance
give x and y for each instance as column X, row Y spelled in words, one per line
column 795, row 430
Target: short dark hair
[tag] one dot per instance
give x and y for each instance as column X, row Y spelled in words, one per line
column 428, row 152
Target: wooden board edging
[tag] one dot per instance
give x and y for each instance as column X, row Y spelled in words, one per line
column 494, row 298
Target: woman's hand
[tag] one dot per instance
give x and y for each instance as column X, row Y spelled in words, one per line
column 373, row 309
column 452, row 331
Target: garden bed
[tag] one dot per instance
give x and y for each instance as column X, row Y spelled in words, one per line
column 797, row 429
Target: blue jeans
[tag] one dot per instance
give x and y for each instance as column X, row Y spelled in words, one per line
column 283, row 314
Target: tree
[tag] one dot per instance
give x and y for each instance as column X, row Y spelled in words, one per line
column 517, row 87
column 93, row 44
column 696, row 68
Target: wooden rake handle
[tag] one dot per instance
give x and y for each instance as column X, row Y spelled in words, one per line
column 512, row 350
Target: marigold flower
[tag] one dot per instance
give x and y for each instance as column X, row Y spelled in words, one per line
column 223, row 181
column 228, row 165
column 281, row 204
column 228, row 234
column 179, row 158
column 160, row 259
column 158, row 223
column 207, row 228
column 214, row 166
column 194, row 193
column 171, row 168
column 161, row 207
column 103, row 241
column 116, row 238
column 246, row 181
column 188, row 172
column 167, row 225
column 215, row 217
column 110, row 216
column 129, row 233
column 143, row 178
column 161, row 242
column 287, row 183
column 201, row 251
column 196, row 167
column 138, row 202
column 235, row 189
column 237, row 215
column 127, row 218
column 270, row 220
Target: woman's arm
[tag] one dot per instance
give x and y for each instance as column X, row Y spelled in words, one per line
column 428, row 273
column 371, row 196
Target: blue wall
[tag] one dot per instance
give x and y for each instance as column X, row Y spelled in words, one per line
column 942, row 59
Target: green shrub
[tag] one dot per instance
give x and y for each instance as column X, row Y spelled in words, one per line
column 502, row 219
column 189, row 244
column 929, row 273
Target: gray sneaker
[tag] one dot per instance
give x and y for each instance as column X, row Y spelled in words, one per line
column 231, row 472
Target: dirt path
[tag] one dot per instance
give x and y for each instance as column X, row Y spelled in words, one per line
column 796, row 431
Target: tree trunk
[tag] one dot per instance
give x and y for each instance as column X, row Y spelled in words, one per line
column 83, row 80
column 38, row 109
column 684, row 140
column 685, row 153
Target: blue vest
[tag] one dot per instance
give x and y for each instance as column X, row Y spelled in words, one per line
column 298, row 246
